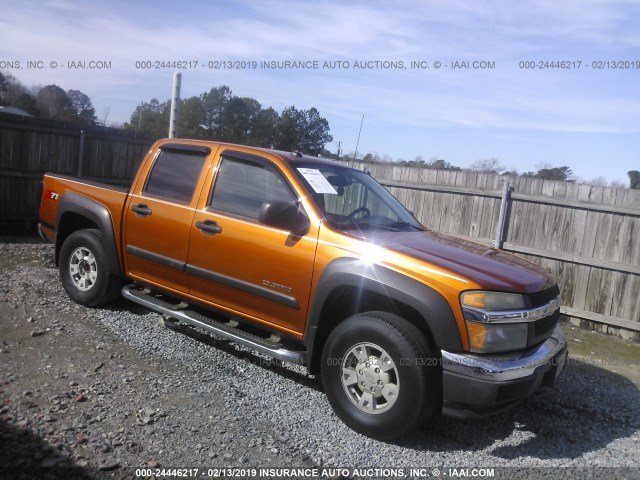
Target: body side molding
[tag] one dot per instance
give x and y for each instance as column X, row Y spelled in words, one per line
column 227, row 281
column 247, row 287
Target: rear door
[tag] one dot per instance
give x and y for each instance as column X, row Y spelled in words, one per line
column 159, row 216
column 241, row 265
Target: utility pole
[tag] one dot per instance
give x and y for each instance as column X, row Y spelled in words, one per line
column 175, row 105
column 339, row 145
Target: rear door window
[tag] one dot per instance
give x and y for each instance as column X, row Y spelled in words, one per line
column 174, row 175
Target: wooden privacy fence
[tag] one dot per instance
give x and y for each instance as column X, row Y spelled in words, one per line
column 29, row 147
column 587, row 236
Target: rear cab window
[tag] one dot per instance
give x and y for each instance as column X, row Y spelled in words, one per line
column 175, row 173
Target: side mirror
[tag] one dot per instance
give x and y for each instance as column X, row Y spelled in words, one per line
column 285, row 216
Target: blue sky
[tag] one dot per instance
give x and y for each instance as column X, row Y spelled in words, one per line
column 587, row 118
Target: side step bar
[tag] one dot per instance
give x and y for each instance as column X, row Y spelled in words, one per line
column 276, row 350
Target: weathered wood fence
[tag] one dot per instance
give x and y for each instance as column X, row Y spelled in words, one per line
column 587, row 236
column 29, row 147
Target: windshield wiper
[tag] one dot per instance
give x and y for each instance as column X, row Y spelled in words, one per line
column 403, row 224
column 394, row 227
column 363, row 224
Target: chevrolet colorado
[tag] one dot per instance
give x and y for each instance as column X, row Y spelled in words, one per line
column 309, row 261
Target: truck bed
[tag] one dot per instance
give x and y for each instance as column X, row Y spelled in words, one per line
column 56, row 187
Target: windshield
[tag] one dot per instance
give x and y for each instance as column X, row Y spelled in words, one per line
column 352, row 200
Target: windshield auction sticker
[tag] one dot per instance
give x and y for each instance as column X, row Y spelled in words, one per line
column 317, row 181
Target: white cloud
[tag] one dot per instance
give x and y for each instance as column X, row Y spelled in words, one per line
column 509, row 98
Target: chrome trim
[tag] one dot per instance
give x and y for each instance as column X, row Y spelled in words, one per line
column 505, row 367
column 516, row 316
column 275, row 351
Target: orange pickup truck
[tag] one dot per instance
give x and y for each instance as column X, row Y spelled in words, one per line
column 306, row 260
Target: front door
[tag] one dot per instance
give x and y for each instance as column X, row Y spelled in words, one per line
column 254, row 270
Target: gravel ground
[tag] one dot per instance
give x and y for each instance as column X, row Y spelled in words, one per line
column 97, row 393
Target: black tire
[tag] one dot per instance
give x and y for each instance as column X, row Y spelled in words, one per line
column 84, row 269
column 381, row 404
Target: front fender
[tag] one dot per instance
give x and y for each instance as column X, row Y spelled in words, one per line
column 351, row 272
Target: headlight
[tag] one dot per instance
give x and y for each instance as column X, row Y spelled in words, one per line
column 496, row 322
column 492, row 300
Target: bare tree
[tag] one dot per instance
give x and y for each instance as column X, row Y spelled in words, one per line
column 487, row 165
column 105, row 115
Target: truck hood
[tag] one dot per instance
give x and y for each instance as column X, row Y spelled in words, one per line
column 491, row 268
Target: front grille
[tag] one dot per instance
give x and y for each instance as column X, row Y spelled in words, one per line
column 546, row 325
column 542, row 298
column 541, row 329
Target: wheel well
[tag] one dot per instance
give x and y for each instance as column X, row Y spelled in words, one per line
column 69, row 223
column 344, row 302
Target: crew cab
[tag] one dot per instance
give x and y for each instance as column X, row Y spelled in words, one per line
column 306, row 260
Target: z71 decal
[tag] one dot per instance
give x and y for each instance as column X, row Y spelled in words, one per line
column 51, row 194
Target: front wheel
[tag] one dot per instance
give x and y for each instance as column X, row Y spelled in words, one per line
column 380, row 375
column 84, row 269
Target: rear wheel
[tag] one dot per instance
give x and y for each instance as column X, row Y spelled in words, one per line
column 84, row 269
column 380, row 375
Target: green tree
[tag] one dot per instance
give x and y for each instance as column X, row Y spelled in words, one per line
column 82, row 107
column 4, row 87
column 634, row 179
column 151, row 118
column 191, row 118
column 303, row 130
column 14, row 93
column 213, row 103
column 238, row 117
column 315, row 132
column 289, row 129
column 219, row 115
column 265, row 128
column 27, row 103
column 440, row 164
column 555, row 173
column 327, row 154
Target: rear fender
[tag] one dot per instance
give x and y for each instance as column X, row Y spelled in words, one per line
column 74, row 207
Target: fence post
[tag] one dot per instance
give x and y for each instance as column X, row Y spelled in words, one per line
column 81, row 154
column 506, row 194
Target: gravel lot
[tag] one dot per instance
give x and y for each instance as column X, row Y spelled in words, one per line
column 93, row 393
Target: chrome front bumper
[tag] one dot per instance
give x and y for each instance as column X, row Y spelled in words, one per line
column 475, row 385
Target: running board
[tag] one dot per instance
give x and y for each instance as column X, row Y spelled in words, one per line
column 211, row 325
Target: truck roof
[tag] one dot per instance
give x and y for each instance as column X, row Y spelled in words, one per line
column 289, row 157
